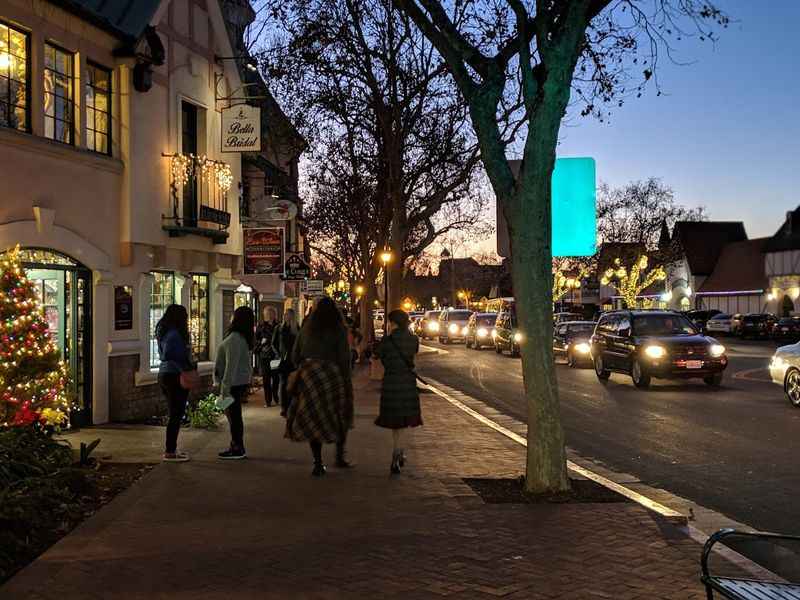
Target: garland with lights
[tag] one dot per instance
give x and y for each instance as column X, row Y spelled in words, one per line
column 630, row 283
column 33, row 379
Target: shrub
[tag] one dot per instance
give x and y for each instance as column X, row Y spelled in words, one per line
column 206, row 414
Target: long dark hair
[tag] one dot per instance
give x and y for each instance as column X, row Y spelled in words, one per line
column 175, row 317
column 243, row 323
column 325, row 317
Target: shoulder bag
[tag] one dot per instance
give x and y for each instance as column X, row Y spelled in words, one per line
column 407, row 362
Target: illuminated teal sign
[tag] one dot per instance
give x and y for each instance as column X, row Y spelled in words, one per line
column 574, row 213
column 574, row 207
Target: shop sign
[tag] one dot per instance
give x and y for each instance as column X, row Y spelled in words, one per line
column 123, row 307
column 263, row 250
column 214, row 215
column 296, row 268
column 314, row 287
column 241, row 128
column 268, row 208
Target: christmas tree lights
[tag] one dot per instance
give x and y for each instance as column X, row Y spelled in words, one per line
column 33, row 379
column 630, row 283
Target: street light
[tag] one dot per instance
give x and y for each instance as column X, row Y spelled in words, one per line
column 386, row 258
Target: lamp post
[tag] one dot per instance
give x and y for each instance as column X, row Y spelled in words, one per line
column 386, row 258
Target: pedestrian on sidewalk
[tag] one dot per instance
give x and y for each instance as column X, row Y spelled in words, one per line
column 322, row 389
column 399, row 407
column 174, row 352
column 283, row 341
column 233, row 372
column 266, row 354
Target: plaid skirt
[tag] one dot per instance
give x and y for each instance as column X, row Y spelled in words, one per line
column 321, row 409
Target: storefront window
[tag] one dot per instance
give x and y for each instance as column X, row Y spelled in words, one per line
column 98, row 109
column 59, row 94
column 198, row 316
column 161, row 296
column 14, row 79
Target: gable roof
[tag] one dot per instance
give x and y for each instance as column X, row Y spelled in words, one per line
column 125, row 19
column 702, row 241
column 788, row 235
column 740, row 267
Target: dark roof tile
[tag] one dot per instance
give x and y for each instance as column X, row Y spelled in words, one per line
column 740, row 267
column 126, row 19
column 703, row 241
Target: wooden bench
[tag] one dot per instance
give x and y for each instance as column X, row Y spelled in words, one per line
column 736, row 588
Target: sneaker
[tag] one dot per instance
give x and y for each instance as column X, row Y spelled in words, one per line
column 232, row 454
column 175, row 457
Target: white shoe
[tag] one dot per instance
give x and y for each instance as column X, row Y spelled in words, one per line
column 175, row 457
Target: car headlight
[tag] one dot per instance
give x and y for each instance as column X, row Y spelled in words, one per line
column 453, row 328
column 465, row 331
column 482, row 333
column 517, row 337
column 655, row 351
column 433, row 326
column 582, row 347
column 717, row 350
column 494, row 333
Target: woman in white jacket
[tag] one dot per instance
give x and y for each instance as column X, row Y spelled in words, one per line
column 233, row 371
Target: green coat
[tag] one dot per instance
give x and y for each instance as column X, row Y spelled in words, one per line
column 399, row 396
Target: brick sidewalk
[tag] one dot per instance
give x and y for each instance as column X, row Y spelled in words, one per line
column 263, row 528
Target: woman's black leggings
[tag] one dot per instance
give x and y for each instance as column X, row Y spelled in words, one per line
column 176, row 403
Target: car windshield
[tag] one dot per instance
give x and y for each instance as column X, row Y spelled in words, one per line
column 432, row 314
column 662, row 325
column 459, row 315
column 754, row 318
column 490, row 320
column 581, row 328
column 720, row 318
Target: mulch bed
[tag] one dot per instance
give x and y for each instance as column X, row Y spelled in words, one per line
column 104, row 482
column 512, row 491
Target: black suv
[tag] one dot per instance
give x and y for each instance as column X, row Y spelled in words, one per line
column 506, row 336
column 661, row 344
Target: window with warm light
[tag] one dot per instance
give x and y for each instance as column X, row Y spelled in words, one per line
column 59, row 94
column 98, row 109
column 198, row 316
column 14, row 78
column 162, row 295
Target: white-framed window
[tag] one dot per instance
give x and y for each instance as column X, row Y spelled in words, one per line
column 162, row 294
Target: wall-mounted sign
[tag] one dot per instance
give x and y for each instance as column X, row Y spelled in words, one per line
column 574, row 212
column 241, row 128
column 296, row 268
column 268, row 208
column 263, row 250
column 314, row 287
column 214, row 215
column 123, row 307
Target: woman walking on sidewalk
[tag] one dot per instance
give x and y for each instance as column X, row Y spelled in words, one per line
column 322, row 389
column 265, row 353
column 283, row 341
column 172, row 335
column 399, row 407
column 233, row 371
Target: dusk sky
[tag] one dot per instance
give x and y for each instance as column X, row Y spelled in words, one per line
column 725, row 134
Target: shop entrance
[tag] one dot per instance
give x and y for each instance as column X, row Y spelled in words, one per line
column 64, row 289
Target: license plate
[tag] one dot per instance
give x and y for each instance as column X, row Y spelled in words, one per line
column 694, row 364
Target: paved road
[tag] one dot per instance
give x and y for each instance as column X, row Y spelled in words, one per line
column 734, row 449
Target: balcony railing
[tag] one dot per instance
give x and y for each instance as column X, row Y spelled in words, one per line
column 199, row 197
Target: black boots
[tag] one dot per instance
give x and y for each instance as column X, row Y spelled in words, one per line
column 341, row 461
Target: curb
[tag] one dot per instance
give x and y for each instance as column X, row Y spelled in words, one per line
column 669, row 515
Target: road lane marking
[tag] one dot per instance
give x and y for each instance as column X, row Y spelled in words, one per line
column 668, row 514
column 432, row 350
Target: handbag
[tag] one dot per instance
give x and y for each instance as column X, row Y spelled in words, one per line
column 275, row 364
column 222, row 402
column 407, row 362
column 190, row 380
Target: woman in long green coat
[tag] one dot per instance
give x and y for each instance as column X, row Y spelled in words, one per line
column 399, row 396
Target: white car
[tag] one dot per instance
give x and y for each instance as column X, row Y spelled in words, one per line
column 378, row 321
column 721, row 323
column 784, row 369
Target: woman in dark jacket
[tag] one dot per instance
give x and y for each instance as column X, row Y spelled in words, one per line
column 172, row 334
column 322, row 403
column 399, row 396
column 283, row 340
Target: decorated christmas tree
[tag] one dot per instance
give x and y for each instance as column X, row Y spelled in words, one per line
column 33, row 379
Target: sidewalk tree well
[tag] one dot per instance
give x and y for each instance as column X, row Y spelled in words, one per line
column 545, row 52
column 33, row 379
column 357, row 70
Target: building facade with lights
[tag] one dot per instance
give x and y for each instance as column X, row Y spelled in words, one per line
column 115, row 183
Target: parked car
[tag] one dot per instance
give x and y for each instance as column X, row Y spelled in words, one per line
column 787, row 328
column 661, row 344
column 736, row 323
column 757, row 325
column 561, row 317
column 429, row 325
column 784, row 369
column 506, row 335
column 378, row 320
column 479, row 330
column 720, row 323
column 573, row 341
column 701, row 317
column 453, row 325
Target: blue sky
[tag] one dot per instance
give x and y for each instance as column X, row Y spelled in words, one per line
column 725, row 133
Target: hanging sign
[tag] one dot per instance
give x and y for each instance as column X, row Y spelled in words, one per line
column 123, row 307
column 296, row 269
column 241, row 128
column 268, row 208
column 263, row 250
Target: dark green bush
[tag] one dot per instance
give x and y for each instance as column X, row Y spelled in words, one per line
column 206, row 414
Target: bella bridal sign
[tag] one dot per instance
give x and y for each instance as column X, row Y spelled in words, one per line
column 241, row 128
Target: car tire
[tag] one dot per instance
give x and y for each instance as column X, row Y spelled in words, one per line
column 599, row 369
column 476, row 345
column 791, row 387
column 498, row 348
column 571, row 362
column 713, row 380
column 640, row 379
column 466, row 342
column 515, row 352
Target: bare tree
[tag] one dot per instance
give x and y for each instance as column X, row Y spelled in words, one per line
column 545, row 51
